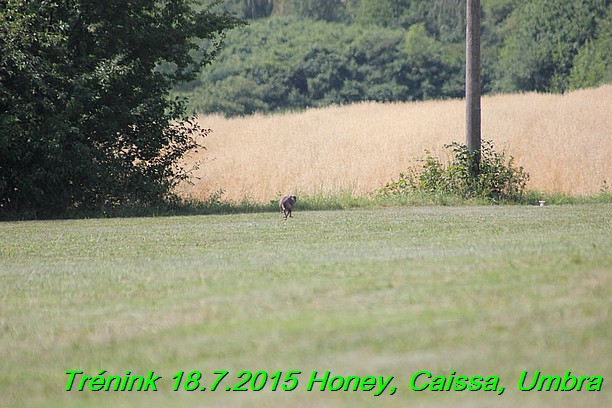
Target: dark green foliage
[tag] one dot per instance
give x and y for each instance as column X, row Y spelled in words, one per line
column 328, row 10
column 593, row 63
column 544, row 38
column 85, row 121
column 249, row 9
column 285, row 63
column 384, row 13
column 312, row 53
column 496, row 179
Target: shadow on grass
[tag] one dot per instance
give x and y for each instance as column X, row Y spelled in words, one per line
column 317, row 202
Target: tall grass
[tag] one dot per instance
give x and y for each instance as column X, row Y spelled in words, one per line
column 562, row 141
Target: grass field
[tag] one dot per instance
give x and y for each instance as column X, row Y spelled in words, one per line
column 562, row 141
column 480, row 290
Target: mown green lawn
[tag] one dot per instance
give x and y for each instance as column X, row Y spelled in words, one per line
column 487, row 290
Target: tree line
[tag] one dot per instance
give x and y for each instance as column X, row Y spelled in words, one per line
column 303, row 53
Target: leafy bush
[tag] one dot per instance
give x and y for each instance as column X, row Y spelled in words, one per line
column 493, row 179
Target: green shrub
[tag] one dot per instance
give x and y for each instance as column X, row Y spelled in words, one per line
column 495, row 179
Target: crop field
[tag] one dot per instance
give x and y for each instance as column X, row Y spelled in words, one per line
column 472, row 290
column 562, row 141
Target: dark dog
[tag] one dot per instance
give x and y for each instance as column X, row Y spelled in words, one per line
column 286, row 205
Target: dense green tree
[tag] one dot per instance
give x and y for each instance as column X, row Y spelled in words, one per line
column 85, row 121
column 384, row 13
column 249, row 9
column 593, row 63
column 288, row 63
column 443, row 19
column 437, row 68
column 544, row 38
column 328, row 10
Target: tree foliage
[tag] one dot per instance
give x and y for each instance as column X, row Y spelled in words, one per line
column 544, row 38
column 328, row 10
column 400, row 50
column 85, row 121
column 287, row 63
column 593, row 63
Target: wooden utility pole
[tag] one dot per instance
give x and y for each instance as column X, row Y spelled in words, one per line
column 472, row 78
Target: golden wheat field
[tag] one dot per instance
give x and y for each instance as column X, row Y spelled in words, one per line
column 563, row 141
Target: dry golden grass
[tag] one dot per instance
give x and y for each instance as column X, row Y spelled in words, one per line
column 563, row 141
